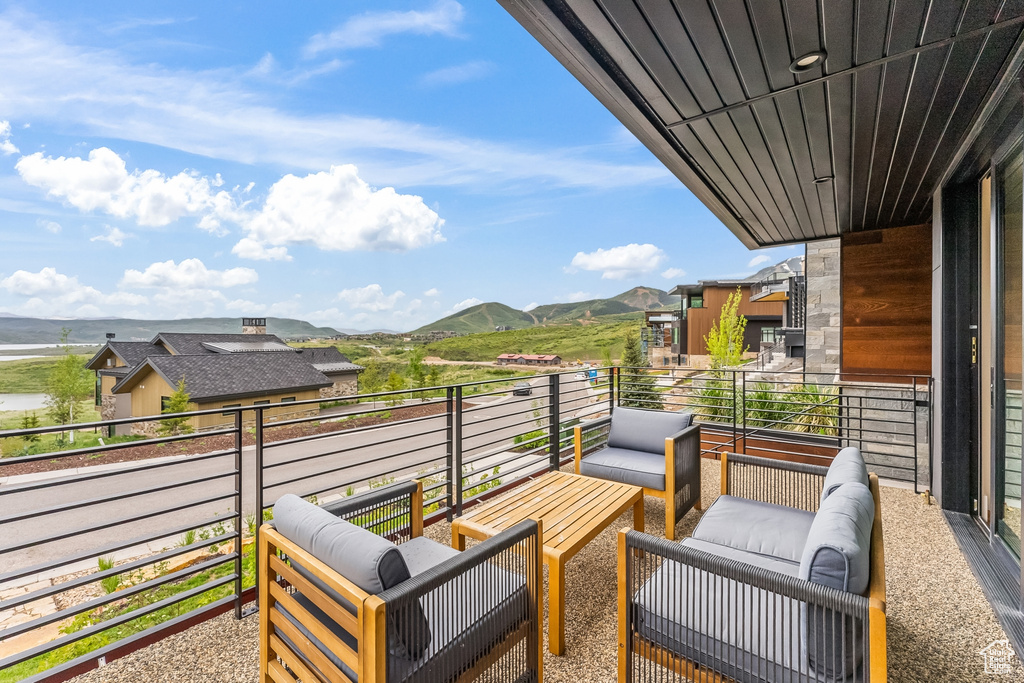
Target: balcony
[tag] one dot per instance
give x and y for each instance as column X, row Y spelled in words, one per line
column 143, row 548
column 775, row 287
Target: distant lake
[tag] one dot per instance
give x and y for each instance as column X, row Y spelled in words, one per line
column 33, row 347
column 22, row 401
column 3, row 358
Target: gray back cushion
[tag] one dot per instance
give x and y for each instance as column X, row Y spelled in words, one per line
column 838, row 555
column 847, row 466
column 364, row 558
column 636, row 429
column 838, row 549
column 361, row 556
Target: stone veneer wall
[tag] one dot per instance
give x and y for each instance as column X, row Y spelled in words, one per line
column 822, row 336
column 346, row 385
column 108, row 407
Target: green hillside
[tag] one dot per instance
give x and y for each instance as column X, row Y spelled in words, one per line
column 571, row 342
column 486, row 317
column 480, row 318
column 46, row 331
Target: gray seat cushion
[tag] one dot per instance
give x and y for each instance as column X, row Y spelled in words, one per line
column 847, row 466
column 746, row 634
column 752, row 526
column 637, row 429
column 775, row 564
column 638, row 468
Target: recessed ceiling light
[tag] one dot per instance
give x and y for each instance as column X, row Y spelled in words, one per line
column 807, row 61
column 822, row 180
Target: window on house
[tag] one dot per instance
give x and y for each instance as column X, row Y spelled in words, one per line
column 110, row 362
column 261, row 403
column 697, row 301
column 99, row 390
column 165, row 403
column 288, row 399
column 233, row 405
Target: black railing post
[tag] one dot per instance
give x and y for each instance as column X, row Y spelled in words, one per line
column 554, row 423
column 613, row 376
column 449, row 449
column 457, row 448
column 735, row 409
column 257, row 476
column 743, row 401
column 239, row 517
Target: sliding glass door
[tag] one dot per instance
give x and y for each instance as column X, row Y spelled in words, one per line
column 1008, row 367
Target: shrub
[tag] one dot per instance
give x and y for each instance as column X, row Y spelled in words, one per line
column 112, row 582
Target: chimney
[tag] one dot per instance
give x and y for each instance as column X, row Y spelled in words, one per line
column 254, row 325
column 110, row 335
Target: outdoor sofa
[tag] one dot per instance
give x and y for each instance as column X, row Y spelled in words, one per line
column 340, row 602
column 656, row 449
column 782, row 580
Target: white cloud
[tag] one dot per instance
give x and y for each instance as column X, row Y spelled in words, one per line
column 49, row 226
column 370, row 298
column 573, row 297
column 6, row 146
column 673, row 273
column 49, row 292
column 619, row 263
column 466, row 303
column 530, row 306
column 189, row 274
column 338, row 211
column 369, row 28
column 113, row 235
column 758, row 260
column 251, row 249
column 101, row 93
column 433, row 291
column 102, row 183
column 461, row 73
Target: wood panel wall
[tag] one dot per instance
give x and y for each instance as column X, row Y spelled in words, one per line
column 700, row 320
column 886, row 288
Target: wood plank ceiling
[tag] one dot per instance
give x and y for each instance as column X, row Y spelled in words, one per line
column 857, row 142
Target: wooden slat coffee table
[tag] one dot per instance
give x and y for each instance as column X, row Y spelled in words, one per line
column 572, row 510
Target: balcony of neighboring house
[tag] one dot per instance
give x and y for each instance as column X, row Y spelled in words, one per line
column 133, row 558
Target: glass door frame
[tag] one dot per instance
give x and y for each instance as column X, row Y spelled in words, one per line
column 1005, row 155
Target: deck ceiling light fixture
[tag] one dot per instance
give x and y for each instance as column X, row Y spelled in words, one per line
column 807, row 61
column 822, row 180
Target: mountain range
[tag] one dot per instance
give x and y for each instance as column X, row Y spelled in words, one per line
column 488, row 316
column 18, row 330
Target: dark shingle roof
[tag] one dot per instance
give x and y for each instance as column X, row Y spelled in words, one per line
column 191, row 344
column 324, row 354
column 215, row 375
column 131, row 352
column 246, row 347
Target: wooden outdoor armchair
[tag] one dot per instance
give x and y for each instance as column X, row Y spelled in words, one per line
column 697, row 610
column 451, row 618
column 656, row 449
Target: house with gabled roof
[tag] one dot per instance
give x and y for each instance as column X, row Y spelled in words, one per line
column 137, row 378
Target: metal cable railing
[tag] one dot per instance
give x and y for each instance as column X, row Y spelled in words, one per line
column 130, row 551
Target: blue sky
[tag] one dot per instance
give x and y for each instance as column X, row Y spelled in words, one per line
column 355, row 164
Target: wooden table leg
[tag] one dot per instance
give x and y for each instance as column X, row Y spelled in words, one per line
column 638, row 514
column 458, row 540
column 556, row 606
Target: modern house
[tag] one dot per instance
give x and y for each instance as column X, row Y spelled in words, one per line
column 701, row 306
column 135, row 379
column 893, row 127
column 528, row 359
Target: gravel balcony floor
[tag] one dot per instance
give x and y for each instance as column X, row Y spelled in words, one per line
column 938, row 619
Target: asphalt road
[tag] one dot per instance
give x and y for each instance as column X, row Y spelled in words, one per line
column 204, row 489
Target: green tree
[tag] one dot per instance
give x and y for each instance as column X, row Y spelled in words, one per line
column 371, row 379
column 30, row 421
column 67, row 385
column 636, row 385
column 178, row 403
column 725, row 341
column 416, row 373
column 606, row 357
column 435, row 377
column 394, row 383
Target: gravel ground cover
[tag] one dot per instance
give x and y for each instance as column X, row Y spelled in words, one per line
column 938, row 619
